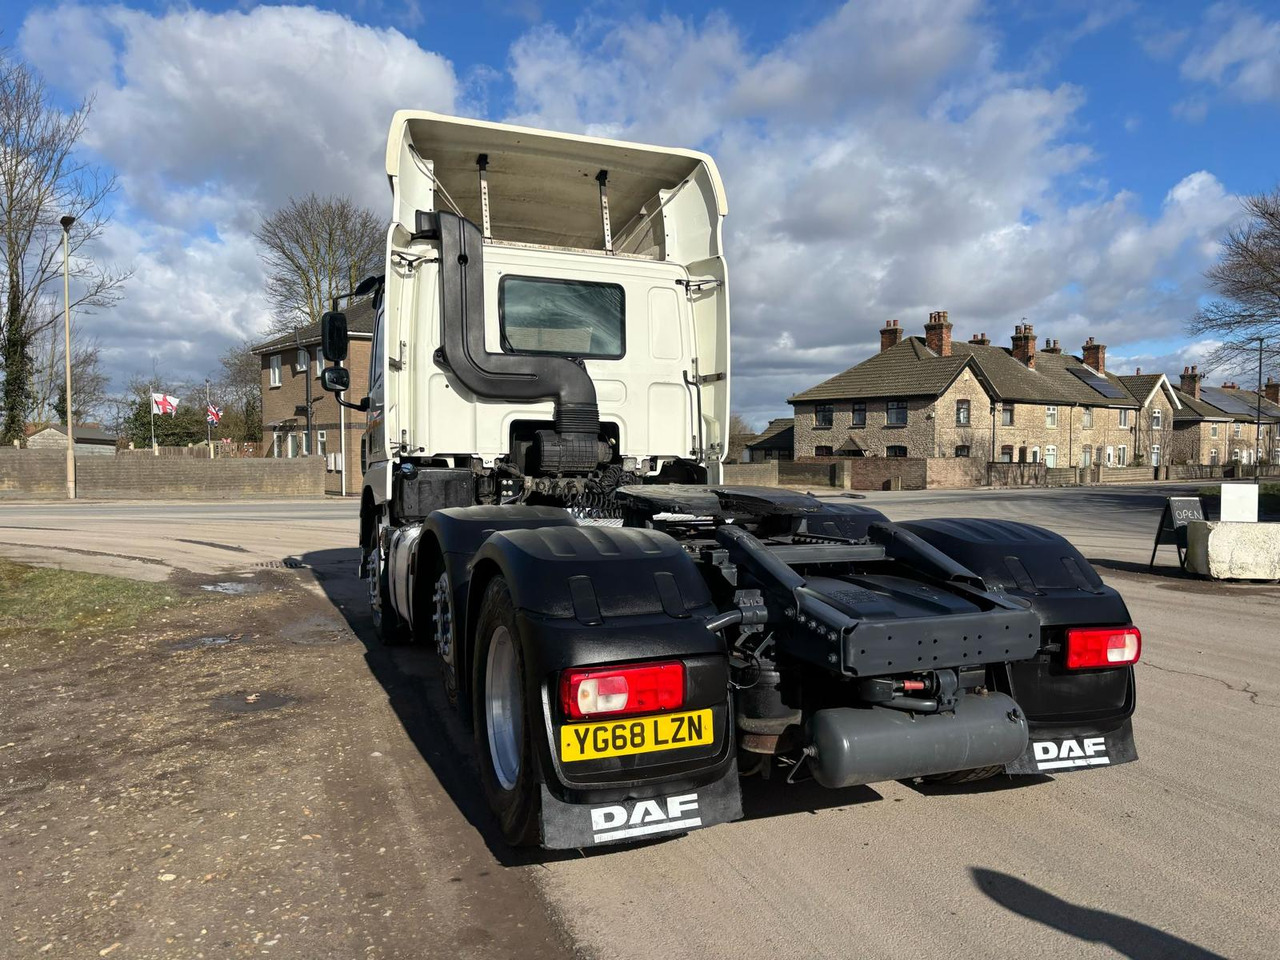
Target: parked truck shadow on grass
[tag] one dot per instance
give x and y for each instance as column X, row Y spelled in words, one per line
column 410, row 676
column 1130, row 938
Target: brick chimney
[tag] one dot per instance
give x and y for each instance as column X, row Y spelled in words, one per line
column 1190, row 385
column 937, row 333
column 1095, row 355
column 1024, row 344
column 981, row 339
column 1271, row 390
column 1051, row 346
column 890, row 336
column 1229, row 385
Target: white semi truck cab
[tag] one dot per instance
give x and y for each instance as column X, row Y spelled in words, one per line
column 548, row 407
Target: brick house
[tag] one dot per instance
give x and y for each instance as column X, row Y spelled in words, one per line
column 931, row 396
column 291, row 366
column 775, row 442
column 1219, row 425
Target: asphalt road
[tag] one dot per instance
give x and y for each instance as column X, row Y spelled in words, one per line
column 1177, row 855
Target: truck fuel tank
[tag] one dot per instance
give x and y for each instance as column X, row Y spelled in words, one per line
column 853, row 745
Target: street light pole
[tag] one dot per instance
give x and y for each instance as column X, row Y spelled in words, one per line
column 1257, row 450
column 66, row 222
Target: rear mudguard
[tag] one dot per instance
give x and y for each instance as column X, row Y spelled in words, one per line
column 1078, row 719
column 587, row 596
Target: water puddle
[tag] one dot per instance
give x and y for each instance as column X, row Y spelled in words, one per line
column 245, row 701
column 199, row 643
column 231, row 587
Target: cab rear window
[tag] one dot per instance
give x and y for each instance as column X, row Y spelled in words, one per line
column 567, row 318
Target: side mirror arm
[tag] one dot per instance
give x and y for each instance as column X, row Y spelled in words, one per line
column 362, row 406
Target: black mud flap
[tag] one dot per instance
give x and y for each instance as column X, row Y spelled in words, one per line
column 1060, row 750
column 568, row 826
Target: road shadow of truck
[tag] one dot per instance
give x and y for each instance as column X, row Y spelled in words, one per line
column 411, row 678
column 1129, row 938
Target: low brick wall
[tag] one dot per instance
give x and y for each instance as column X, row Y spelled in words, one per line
column 1062, row 476
column 1126, row 474
column 1191, row 471
column 33, row 473
column 1017, row 474
column 955, row 472
column 751, row 474
column 811, row 473
column 37, row 474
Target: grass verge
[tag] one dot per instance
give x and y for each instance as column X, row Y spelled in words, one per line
column 1268, row 498
column 49, row 601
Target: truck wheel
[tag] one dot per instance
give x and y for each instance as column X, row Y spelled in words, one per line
column 964, row 776
column 502, row 728
column 390, row 627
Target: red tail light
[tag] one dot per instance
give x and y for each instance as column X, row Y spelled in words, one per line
column 1089, row 647
column 609, row 691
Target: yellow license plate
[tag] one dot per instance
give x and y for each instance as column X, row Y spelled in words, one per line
column 618, row 738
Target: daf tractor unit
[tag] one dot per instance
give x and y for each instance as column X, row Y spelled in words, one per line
column 547, row 412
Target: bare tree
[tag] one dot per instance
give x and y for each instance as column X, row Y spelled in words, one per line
column 48, row 384
column 1247, row 281
column 240, row 390
column 315, row 249
column 42, row 178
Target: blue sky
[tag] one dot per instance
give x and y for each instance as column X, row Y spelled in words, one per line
column 1072, row 163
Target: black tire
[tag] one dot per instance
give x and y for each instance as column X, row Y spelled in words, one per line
column 518, row 805
column 964, row 776
column 392, row 630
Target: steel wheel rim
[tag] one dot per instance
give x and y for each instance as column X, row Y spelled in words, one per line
column 503, row 708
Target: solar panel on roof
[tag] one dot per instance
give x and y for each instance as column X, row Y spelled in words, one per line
column 1230, row 402
column 1101, row 384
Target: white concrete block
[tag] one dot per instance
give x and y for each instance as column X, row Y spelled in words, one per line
column 1234, row 551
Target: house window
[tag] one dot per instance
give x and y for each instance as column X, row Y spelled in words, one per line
column 1088, row 418
column 962, row 450
column 316, row 361
column 1035, row 454
column 1051, row 456
column 1006, row 454
column 1122, row 456
column 1235, row 455
column 291, row 445
column 1236, row 434
column 275, row 445
column 1006, row 414
column 896, row 413
column 300, row 361
column 860, row 414
column 306, row 443
column 823, row 415
column 822, row 451
column 962, row 413
column 1124, row 417
column 1213, row 431
column 1157, row 417
column 1213, row 456
column 1155, row 454
column 1051, row 417
column 275, row 369
column 1086, row 456
column 322, row 443
column 895, row 451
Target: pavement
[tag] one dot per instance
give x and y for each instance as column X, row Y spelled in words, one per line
column 1177, row 855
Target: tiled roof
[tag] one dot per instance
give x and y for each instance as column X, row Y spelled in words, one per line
column 906, row 369
column 1203, row 409
column 83, row 433
column 359, row 325
column 910, row 369
column 1141, row 385
column 778, row 435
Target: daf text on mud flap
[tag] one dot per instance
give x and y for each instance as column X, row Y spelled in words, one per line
column 648, row 817
column 1055, row 755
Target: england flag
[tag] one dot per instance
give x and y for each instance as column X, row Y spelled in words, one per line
column 163, row 403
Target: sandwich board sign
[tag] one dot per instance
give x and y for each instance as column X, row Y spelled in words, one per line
column 1178, row 512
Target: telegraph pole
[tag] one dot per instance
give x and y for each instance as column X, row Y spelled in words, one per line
column 208, row 424
column 66, row 222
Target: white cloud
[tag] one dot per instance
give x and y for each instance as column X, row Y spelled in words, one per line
column 1240, row 53
column 213, row 120
column 879, row 165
